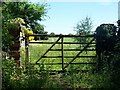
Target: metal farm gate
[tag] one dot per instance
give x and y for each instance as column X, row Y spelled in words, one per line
column 86, row 47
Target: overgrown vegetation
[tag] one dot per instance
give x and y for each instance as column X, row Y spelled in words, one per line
column 29, row 12
column 33, row 77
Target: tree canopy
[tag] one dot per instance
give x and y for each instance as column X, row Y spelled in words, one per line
column 84, row 26
column 30, row 12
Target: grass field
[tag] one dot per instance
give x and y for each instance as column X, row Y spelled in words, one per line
column 69, row 80
column 33, row 77
column 37, row 50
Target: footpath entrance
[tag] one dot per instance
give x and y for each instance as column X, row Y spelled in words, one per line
column 66, row 60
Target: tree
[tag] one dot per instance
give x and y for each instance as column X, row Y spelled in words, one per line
column 31, row 13
column 52, row 33
column 83, row 27
column 106, row 39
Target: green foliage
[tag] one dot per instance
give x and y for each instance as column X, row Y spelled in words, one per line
column 115, row 67
column 52, row 33
column 83, row 27
column 15, row 77
column 105, row 31
column 34, row 77
column 106, row 39
column 90, row 79
column 110, row 65
column 6, row 40
column 42, row 37
column 31, row 13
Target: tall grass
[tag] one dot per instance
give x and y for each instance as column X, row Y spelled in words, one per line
column 34, row 77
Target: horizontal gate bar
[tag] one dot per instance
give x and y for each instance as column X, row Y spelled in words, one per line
column 79, row 53
column 49, row 49
column 67, row 63
column 60, row 43
column 61, row 71
column 71, row 49
column 60, row 35
column 68, row 56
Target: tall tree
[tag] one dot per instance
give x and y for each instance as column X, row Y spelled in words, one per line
column 30, row 12
column 83, row 27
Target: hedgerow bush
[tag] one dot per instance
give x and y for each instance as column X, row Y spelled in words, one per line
column 15, row 77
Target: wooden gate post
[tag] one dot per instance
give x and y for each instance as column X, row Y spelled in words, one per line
column 26, row 50
column 15, row 48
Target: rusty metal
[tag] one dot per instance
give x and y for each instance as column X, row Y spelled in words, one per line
column 88, row 47
column 61, row 43
column 80, row 52
column 60, row 35
column 68, row 56
column 67, row 63
column 72, row 49
column 62, row 52
column 48, row 49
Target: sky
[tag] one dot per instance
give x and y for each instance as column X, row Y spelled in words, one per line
column 64, row 16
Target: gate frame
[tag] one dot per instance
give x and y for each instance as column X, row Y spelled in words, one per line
column 27, row 42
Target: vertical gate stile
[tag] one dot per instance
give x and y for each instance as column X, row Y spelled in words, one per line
column 27, row 50
column 63, row 64
column 62, row 47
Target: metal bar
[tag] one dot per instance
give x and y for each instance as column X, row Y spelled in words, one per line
column 67, row 63
column 62, row 52
column 61, row 71
column 60, row 35
column 49, row 49
column 60, row 42
column 68, row 56
column 79, row 53
column 71, row 49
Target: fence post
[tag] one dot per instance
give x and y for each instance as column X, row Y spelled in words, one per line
column 26, row 50
column 15, row 47
column 62, row 52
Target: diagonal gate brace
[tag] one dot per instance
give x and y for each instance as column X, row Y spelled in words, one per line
column 79, row 53
column 48, row 50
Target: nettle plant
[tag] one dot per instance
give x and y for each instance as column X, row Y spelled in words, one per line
column 19, row 24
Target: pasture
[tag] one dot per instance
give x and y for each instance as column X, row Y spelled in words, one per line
column 37, row 50
column 29, row 78
column 72, row 79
